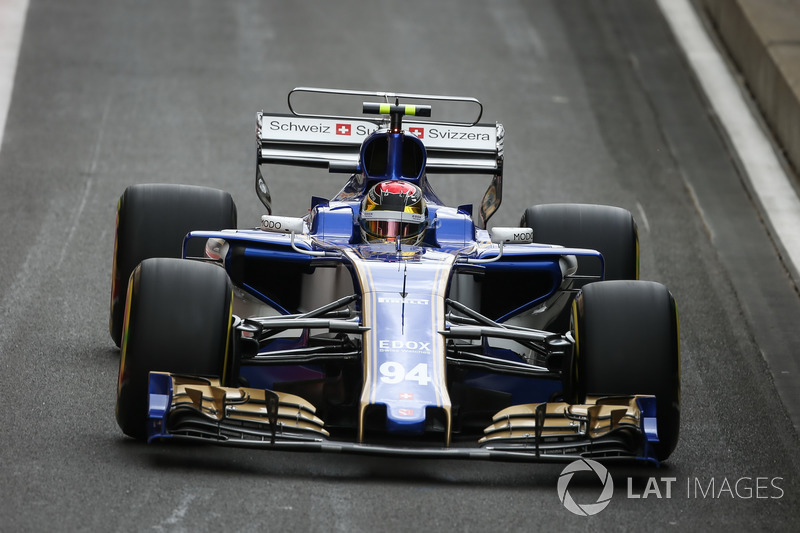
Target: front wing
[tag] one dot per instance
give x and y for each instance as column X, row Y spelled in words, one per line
column 199, row 409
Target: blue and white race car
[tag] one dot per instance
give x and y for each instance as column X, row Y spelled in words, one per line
column 384, row 322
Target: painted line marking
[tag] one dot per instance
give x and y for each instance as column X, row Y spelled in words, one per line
column 12, row 23
column 765, row 178
column 763, row 170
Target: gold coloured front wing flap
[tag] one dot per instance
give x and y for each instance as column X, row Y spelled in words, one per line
column 245, row 405
column 598, row 417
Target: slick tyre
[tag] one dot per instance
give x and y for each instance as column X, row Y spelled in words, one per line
column 178, row 320
column 627, row 342
column 609, row 230
column 152, row 221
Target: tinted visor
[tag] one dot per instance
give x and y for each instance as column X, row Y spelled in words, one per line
column 392, row 224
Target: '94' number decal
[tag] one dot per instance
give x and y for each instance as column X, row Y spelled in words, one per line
column 393, row 372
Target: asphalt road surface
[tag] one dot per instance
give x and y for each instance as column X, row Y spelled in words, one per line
column 598, row 106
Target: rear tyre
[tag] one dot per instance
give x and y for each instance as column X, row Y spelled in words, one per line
column 627, row 342
column 152, row 221
column 178, row 320
column 609, row 230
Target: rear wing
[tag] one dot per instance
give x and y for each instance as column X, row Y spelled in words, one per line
column 334, row 142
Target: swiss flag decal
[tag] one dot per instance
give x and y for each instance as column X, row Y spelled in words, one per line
column 419, row 132
column 343, row 129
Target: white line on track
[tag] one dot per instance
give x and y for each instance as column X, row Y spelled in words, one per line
column 643, row 217
column 768, row 180
column 12, row 22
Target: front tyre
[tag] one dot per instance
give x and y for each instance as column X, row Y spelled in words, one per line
column 627, row 342
column 178, row 320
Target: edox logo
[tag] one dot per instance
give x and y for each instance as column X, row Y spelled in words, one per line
column 586, row 509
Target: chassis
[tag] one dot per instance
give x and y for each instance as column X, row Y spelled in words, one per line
column 532, row 343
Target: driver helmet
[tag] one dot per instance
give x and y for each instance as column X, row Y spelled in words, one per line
column 393, row 210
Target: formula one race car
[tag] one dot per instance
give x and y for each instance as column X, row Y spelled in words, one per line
column 384, row 322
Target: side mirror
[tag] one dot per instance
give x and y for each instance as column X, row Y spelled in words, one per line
column 287, row 225
column 291, row 226
column 505, row 235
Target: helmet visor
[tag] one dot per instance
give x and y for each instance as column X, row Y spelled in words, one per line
column 391, row 225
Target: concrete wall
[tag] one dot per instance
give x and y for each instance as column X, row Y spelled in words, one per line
column 763, row 39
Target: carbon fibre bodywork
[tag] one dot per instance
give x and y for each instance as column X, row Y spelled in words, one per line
column 453, row 348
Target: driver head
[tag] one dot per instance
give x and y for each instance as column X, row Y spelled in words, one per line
column 393, row 210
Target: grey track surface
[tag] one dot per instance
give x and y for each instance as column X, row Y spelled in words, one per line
column 598, row 107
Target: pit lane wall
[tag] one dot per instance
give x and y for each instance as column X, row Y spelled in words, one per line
column 763, row 39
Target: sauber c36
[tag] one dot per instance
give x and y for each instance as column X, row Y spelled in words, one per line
column 384, row 322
